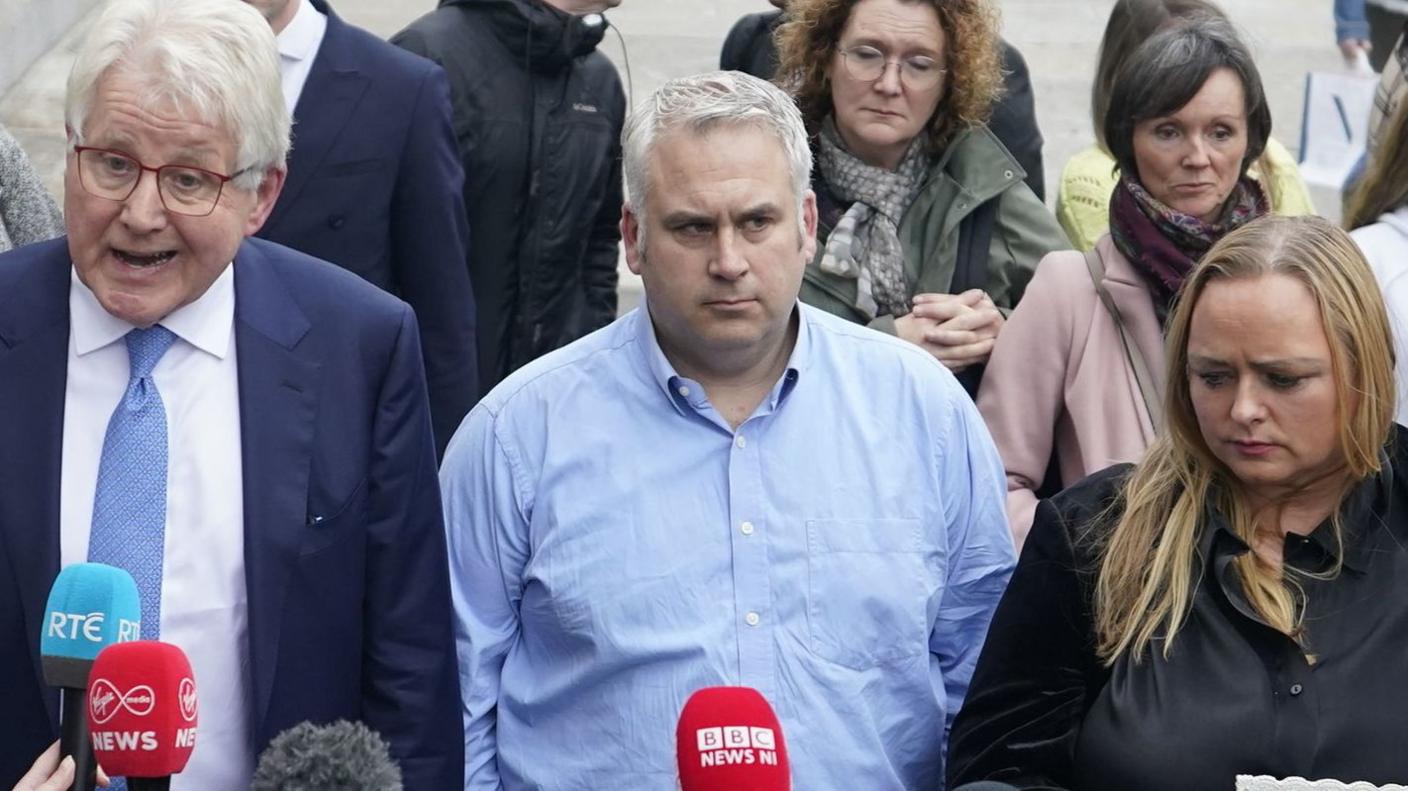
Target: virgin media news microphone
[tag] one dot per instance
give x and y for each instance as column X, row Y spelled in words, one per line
column 142, row 713
column 91, row 606
column 343, row 756
column 728, row 739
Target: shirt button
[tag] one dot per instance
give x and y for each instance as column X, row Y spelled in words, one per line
column 1296, row 689
column 746, row 528
column 1007, row 174
column 684, row 391
column 740, row 441
column 752, row 619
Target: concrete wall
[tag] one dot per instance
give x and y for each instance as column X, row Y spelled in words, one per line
column 28, row 28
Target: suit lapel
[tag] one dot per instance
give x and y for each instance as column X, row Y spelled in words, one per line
column 34, row 332
column 334, row 87
column 278, row 406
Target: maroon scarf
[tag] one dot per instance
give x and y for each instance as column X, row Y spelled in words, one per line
column 1164, row 244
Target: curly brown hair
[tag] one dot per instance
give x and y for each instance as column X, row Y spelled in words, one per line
column 806, row 47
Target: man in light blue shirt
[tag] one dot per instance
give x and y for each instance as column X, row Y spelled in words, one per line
column 724, row 487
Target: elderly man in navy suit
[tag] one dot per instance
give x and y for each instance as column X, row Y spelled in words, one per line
column 375, row 183
column 243, row 427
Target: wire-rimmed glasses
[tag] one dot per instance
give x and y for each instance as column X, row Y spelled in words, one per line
column 866, row 63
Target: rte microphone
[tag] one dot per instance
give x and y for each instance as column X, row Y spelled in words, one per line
column 91, row 606
column 142, row 712
column 728, row 739
column 343, row 756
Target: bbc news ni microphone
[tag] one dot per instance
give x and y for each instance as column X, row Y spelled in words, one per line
column 91, row 607
column 143, row 712
column 728, row 739
column 343, row 756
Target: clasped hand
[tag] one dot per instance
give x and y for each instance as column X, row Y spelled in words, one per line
column 958, row 329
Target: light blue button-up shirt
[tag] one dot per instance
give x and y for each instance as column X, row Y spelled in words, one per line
column 615, row 546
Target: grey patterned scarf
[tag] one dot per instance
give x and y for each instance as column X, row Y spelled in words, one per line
column 865, row 244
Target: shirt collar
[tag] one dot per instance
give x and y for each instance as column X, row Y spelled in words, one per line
column 300, row 39
column 676, row 387
column 207, row 323
column 1361, row 515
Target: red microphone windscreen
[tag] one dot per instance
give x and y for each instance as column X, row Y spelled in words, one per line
column 142, row 709
column 729, row 738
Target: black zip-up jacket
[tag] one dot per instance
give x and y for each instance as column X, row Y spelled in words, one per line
column 538, row 115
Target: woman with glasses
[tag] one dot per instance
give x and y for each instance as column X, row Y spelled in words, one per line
column 927, row 229
column 1077, row 372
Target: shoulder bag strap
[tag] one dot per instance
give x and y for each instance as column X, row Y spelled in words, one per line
column 1131, row 351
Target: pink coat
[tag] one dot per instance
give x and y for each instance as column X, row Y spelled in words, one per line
column 1058, row 376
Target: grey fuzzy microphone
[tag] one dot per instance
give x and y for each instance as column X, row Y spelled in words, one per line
column 343, row 756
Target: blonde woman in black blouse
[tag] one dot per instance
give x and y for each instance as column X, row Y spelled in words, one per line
column 1238, row 601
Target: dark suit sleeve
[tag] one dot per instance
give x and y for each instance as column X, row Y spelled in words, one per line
column 410, row 684
column 1028, row 696
column 429, row 243
column 599, row 268
column 1014, row 119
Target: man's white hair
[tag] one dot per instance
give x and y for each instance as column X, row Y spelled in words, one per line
column 214, row 59
column 704, row 102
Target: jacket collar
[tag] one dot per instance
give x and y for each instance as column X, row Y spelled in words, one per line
column 979, row 164
column 278, row 390
column 1364, row 517
column 546, row 38
column 332, row 93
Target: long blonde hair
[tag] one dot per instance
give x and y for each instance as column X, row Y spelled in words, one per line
column 1148, row 571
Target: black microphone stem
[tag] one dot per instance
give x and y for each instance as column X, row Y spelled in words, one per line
column 149, row 783
column 75, row 741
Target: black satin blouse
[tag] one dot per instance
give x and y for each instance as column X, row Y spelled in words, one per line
column 1235, row 697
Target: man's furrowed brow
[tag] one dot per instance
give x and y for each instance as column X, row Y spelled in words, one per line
column 686, row 217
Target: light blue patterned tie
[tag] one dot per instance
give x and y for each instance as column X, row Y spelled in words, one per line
column 129, row 508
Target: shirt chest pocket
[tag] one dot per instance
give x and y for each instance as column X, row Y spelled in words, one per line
column 866, row 591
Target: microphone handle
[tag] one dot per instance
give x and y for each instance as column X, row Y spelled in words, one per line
column 149, row 783
column 76, row 741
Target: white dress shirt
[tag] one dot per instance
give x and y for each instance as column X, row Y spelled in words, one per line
column 203, row 601
column 298, row 46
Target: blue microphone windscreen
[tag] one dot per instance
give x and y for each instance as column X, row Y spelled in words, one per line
column 91, row 606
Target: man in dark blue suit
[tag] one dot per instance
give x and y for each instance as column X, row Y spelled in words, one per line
column 243, row 427
column 375, row 183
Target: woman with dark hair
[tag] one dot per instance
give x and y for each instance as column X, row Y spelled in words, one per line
column 1083, row 195
column 927, row 228
column 1074, row 372
column 1237, row 602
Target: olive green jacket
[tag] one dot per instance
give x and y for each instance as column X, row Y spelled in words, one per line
column 974, row 169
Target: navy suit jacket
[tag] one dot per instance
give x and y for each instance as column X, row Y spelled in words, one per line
column 375, row 185
column 348, row 584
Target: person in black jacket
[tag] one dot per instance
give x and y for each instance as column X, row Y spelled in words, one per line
column 750, row 48
column 538, row 115
column 1237, row 602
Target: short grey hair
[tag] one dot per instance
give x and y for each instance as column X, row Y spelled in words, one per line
column 215, row 59
column 704, row 102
